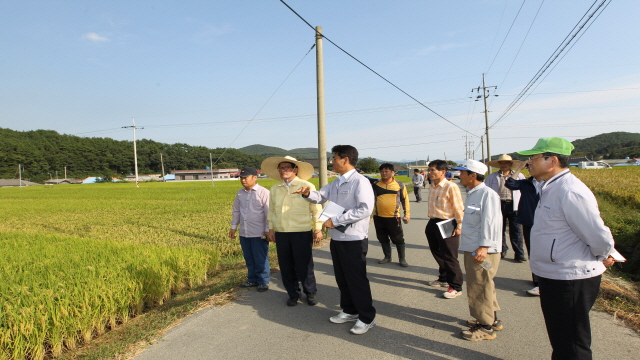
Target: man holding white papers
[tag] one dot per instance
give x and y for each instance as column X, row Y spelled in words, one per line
column 481, row 242
column 291, row 222
column 570, row 248
column 445, row 202
column 349, row 249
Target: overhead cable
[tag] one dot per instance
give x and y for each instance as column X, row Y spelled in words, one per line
column 569, row 39
column 373, row 71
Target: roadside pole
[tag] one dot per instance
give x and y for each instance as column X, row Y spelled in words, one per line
column 322, row 140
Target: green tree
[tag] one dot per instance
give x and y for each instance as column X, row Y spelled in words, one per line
column 368, row 165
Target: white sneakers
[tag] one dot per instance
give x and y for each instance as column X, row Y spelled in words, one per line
column 534, row 292
column 451, row 293
column 343, row 318
column 359, row 328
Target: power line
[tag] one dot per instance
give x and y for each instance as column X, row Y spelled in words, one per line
column 373, row 71
column 505, row 37
column 554, row 56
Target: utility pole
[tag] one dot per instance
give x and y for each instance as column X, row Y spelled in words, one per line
column 322, row 132
column 485, row 94
column 486, row 117
column 135, row 151
column 20, row 174
column 65, row 172
column 162, row 165
column 211, row 167
column 482, row 146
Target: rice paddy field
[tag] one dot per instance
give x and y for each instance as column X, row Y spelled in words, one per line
column 79, row 259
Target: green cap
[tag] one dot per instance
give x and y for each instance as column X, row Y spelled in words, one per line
column 554, row 145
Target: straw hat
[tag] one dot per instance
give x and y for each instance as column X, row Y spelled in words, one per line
column 504, row 157
column 269, row 167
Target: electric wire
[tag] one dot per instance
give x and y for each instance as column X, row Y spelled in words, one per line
column 373, row 71
column 563, row 55
column 505, row 37
column 554, row 56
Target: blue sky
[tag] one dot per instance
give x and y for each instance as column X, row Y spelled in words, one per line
column 198, row 72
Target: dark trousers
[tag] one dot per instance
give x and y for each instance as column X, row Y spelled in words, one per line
column 350, row 268
column 389, row 229
column 515, row 233
column 526, row 234
column 416, row 192
column 296, row 262
column 445, row 251
column 565, row 306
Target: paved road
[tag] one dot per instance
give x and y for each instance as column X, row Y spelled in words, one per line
column 414, row 321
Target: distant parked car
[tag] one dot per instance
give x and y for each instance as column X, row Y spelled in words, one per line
column 593, row 165
column 455, row 174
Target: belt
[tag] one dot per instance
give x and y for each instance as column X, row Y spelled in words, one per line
column 507, row 201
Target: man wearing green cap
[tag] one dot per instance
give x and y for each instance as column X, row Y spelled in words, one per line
column 570, row 248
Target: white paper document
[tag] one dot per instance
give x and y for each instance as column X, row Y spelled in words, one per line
column 446, row 228
column 330, row 211
column 617, row 256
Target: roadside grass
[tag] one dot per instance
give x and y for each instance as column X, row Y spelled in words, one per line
column 621, row 298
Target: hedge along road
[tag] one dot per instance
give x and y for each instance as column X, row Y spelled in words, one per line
column 414, row 320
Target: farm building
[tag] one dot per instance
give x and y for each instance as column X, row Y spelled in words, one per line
column 204, row 174
column 15, row 183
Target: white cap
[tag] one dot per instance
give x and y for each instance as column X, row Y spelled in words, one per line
column 473, row 166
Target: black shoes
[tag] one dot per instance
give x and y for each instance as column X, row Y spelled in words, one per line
column 263, row 288
column 248, row 284
column 311, row 299
column 293, row 301
column 521, row 259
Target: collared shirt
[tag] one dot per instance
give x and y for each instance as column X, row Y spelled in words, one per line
column 417, row 179
column 493, row 181
column 482, row 225
column 445, row 202
column 569, row 239
column 290, row 212
column 390, row 199
column 250, row 209
column 355, row 194
column 344, row 177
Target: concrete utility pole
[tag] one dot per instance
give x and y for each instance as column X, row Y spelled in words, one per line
column 482, row 146
column 485, row 94
column 162, row 165
column 322, row 131
column 135, row 151
column 211, row 167
column 65, row 172
column 20, row 174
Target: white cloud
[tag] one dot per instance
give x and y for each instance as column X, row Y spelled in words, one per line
column 94, row 37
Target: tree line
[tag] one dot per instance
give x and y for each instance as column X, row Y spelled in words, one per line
column 43, row 152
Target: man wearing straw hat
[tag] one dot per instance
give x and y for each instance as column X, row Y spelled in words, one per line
column 293, row 225
column 509, row 200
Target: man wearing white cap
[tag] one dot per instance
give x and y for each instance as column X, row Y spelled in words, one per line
column 482, row 246
column 509, row 200
column 291, row 222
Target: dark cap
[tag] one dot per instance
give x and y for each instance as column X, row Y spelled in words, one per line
column 248, row 171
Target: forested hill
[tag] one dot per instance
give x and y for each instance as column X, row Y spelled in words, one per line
column 43, row 152
column 615, row 145
column 268, row 151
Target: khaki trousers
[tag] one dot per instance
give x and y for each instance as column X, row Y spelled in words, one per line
column 481, row 290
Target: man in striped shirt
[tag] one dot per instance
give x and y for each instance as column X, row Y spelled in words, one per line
column 445, row 202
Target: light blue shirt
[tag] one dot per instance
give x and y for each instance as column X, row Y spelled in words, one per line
column 482, row 222
column 568, row 239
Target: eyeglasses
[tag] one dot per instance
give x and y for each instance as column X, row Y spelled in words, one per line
column 538, row 157
column 285, row 168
